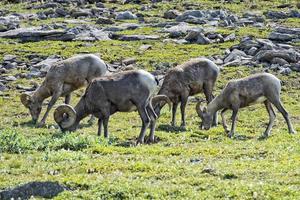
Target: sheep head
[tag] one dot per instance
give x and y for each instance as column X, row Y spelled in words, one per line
column 205, row 116
column 34, row 106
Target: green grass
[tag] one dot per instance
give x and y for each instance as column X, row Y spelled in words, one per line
column 192, row 164
column 115, row 50
column 291, row 22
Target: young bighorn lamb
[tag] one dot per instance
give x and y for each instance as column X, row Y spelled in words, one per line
column 63, row 78
column 124, row 92
column 186, row 80
column 240, row 93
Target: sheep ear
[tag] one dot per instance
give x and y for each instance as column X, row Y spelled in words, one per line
column 25, row 99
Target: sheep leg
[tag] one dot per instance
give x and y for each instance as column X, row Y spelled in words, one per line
column 208, row 88
column 174, row 109
column 145, row 123
column 184, row 101
column 233, row 125
column 152, row 129
column 100, row 123
column 277, row 103
column 68, row 99
column 54, row 98
column 272, row 117
column 91, row 120
column 105, row 125
column 225, row 126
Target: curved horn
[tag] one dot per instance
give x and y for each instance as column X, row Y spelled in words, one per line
column 198, row 109
column 159, row 98
column 25, row 99
column 59, row 116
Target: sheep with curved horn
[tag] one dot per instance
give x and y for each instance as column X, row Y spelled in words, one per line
column 121, row 92
column 63, row 78
column 263, row 87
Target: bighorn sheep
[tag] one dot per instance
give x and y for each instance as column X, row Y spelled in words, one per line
column 63, row 78
column 124, row 92
column 240, row 93
column 186, row 80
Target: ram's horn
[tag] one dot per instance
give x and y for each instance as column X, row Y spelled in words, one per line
column 25, row 99
column 65, row 116
column 198, row 107
column 159, row 98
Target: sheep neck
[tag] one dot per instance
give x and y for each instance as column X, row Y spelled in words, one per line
column 81, row 110
column 215, row 105
column 41, row 93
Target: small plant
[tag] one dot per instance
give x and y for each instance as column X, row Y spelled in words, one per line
column 12, row 142
column 70, row 141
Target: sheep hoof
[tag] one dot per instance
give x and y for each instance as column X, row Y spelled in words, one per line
column 293, row 132
column 183, row 128
column 230, row 135
column 263, row 137
column 41, row 124
column 139, row 142
column 150, row 140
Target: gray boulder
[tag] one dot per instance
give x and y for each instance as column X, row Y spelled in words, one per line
column 33, row 189
column 235, row 55
column 279, row 61
column 104, row 20
column 9, row 57
column 268, row 55
column 197, row 37
column 62, row 12
column 125, row 15
column 9, row 23
column 252, row 51
column 35, row 34
column 45, row 65
column 134, row 37
column 276, row 15
column 3, row 87
column 81, row 13
column 180, row 30
column 282, row 36
column 295, row 67
column 188, row 14
column 171, row 14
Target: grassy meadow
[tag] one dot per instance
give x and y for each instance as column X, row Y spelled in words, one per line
column 191, row 164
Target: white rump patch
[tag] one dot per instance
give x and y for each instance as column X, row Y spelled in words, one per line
column 148, row 79
column 259, row 100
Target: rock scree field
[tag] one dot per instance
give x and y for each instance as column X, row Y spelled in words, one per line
column 241, row 37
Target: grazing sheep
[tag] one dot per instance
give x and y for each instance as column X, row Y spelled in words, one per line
column 244, row 92
column 121, row 92
column 186, row 80
column 63, row 78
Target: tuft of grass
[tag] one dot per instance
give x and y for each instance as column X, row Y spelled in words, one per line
column 12, row 141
